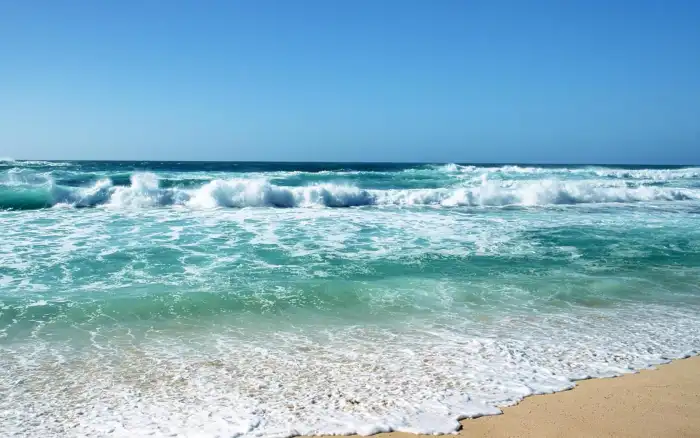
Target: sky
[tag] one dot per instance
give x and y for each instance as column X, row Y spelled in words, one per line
column 322, row 80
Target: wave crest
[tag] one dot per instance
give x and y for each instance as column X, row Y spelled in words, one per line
column 144, row 191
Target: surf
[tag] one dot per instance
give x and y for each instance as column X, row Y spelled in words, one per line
column 144, row 191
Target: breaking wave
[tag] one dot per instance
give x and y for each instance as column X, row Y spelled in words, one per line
column 144, row 190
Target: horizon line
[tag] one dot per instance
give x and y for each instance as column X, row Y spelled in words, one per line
column 461, row 163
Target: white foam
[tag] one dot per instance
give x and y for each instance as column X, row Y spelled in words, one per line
column 276, row 375
column 544, row 192
column 325, row 380
column 239, row 193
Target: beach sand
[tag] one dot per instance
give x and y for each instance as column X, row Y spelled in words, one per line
column 653, row 403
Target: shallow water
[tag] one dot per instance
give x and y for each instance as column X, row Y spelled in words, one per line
column 274, row 299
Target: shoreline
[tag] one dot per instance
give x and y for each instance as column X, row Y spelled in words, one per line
column 663, row 401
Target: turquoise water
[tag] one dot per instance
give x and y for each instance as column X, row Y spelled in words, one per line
column 275, row 299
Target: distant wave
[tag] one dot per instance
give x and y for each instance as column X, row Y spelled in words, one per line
column 144, row 191
column 7, row 161
column 593, row 171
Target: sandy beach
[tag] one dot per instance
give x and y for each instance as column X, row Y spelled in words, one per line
column 664, row 402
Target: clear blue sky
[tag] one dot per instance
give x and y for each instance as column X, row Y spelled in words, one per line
column 496, row 81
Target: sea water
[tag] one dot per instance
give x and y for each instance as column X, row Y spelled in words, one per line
column 277, row 299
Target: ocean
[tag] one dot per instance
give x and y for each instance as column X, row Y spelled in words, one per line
column 279, row 299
